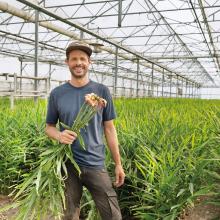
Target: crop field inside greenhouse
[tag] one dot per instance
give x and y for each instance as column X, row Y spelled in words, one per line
column 169, row 147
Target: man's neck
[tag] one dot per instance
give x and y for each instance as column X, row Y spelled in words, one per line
column 79, row 82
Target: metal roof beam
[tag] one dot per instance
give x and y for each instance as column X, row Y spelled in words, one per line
column 112, row 1
column 182, row 42
column 29, row 41
column 179, row 57
column 199, row 23
column 20, row 55
column 79, row 4
column 131, row 26
column 209, row 33
column 94, row 17
column 103, row 15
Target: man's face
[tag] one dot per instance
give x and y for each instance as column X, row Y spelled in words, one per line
column 78, row 63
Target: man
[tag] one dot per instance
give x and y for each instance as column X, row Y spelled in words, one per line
column 64, row 104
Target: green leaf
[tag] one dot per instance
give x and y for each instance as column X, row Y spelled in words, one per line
column 81, row 141
column 37, row 181
column 70, row 156
column 24, row 185
column 66, row 126
column 170, row 217
column 180, row 192
column 191, row 188
column 175, row 206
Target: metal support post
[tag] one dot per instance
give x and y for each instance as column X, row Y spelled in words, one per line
column 116, row 73
column 186, row 89
column 119, row 12
column 193, row 96
column 36, row 52
column 138, row 72
column 123, row 87
column 81, row 34
column 49, row 80
column 171, row 85
column 182, row 88
column 21, row 69
column 177, row 88
column 15, row 83
column 162, row 82
column 12, row 97
column 196, row 94
column 47, row 86
column 199, row 95
column 152, row 80
column 189, row 90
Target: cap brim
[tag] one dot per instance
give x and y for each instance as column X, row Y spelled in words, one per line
column 75, row 47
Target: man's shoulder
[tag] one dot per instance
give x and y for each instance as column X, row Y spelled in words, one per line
column 99, row 85
column 59, row 88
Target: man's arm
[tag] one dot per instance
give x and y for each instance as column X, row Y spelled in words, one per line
column 64, row 137
column 112, row 142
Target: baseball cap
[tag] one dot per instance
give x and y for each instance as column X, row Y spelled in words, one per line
column 78, row 45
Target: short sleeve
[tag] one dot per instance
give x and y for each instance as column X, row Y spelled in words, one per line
column 109, row 111
column 52, row 112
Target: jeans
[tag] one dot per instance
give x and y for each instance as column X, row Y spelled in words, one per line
column 99, row 185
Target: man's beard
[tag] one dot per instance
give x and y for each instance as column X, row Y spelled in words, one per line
column 77, row 76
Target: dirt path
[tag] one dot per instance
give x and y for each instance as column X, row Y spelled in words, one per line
column 201, row 211
column 8, row 215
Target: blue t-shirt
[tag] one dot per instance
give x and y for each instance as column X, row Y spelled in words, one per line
column 64, row 104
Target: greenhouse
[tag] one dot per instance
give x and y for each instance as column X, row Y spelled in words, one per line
column 156, row 61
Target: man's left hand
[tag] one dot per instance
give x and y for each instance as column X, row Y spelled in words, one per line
column 119, row 176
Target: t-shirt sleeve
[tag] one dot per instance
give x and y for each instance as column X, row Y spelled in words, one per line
column 109, row 111
column 52, row 112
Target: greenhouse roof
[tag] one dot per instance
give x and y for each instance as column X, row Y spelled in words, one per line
column 174, row 37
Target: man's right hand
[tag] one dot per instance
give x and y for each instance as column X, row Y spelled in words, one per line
column 67, row 137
